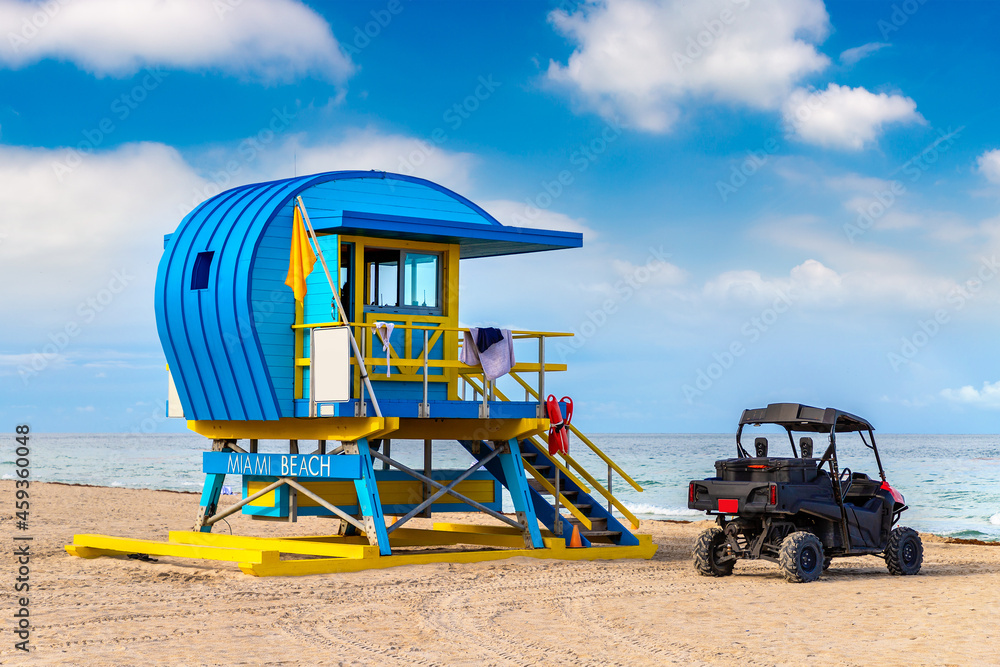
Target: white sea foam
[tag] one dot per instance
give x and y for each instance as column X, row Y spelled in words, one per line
column 995, row 519
column 646, row 509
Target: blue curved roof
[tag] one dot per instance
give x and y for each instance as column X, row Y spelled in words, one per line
column 213, row 326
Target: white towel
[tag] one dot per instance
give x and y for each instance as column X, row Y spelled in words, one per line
column 498, row 358
column 384, row 331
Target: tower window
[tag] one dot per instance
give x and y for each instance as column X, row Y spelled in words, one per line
column 202, row 268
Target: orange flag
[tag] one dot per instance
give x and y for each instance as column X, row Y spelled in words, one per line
column 302, row 258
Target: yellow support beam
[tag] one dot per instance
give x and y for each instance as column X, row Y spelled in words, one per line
column 282, row 545
column 431, row 327
column 260, row 556
column 110, row 546
column 325, row 428
column 468, row 429
column 555, row 548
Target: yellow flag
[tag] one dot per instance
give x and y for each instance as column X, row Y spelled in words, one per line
column 302, row 258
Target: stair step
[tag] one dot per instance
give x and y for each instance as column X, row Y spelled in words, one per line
column 596, row 523
column 531, row 456
column 584, row 507
column 592, row 535
column 537, row 486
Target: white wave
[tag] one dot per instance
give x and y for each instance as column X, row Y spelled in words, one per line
column 646, row 509
column 995, row 519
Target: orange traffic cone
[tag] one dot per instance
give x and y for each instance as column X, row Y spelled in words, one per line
column 574, row 541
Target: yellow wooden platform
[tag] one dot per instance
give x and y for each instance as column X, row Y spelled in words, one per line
column 323, row 554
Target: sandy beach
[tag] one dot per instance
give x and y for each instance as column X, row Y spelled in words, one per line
column 115, row 611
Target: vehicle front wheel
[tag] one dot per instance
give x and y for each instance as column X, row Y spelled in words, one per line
column 801, row 557
column 905, row 552
column 708, row 549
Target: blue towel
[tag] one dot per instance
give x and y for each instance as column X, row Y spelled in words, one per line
column 487, row 337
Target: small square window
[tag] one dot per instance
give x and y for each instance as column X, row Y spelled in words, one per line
column 202, row 269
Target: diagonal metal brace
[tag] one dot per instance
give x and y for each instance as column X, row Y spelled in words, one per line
column 232, row 509
column 333, row 508
column 446, row 489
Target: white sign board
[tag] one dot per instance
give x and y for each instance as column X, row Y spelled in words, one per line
column 174, row 408
column 330, row 365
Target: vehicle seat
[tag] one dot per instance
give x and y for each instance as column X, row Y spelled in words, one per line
column 760, row 444
column 806, row 447
column 863, row 488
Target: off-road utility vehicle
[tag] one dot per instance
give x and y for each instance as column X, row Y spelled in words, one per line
column 800, row 512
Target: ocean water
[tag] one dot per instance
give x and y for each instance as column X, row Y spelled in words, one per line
column 951, row 482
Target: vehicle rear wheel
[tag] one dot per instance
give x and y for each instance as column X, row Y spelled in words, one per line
column 707, row 549
column 905, row 552
column 801, row 557
column 826, row 563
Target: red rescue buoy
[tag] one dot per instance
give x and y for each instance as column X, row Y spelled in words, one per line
column 558, row 430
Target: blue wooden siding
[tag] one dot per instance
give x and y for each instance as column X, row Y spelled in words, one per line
column 273, row 306
column 386, row 197
column 230, row 345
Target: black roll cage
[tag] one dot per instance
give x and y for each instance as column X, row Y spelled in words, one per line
column 795, row 417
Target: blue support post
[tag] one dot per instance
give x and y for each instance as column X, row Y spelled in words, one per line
column 368, row 499
column 517, row 484
column 209, row 500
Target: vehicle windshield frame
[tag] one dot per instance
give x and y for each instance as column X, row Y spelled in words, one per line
column 832, row 422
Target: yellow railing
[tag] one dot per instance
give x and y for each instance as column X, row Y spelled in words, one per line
column 410, row 366
column 572, row 463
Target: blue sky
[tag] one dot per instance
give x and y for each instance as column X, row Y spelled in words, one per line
column 781, row 200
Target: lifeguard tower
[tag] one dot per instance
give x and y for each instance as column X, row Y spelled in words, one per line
column 252, row 359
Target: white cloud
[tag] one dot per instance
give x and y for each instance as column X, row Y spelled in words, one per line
column 643, row 59
column 810, row 282
column 520, row 214
column 844, row 117
column 66, row 235
column 259, row 39
column 370, row 149
column 989, row 165
column 987, row 397
column 852, row 56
